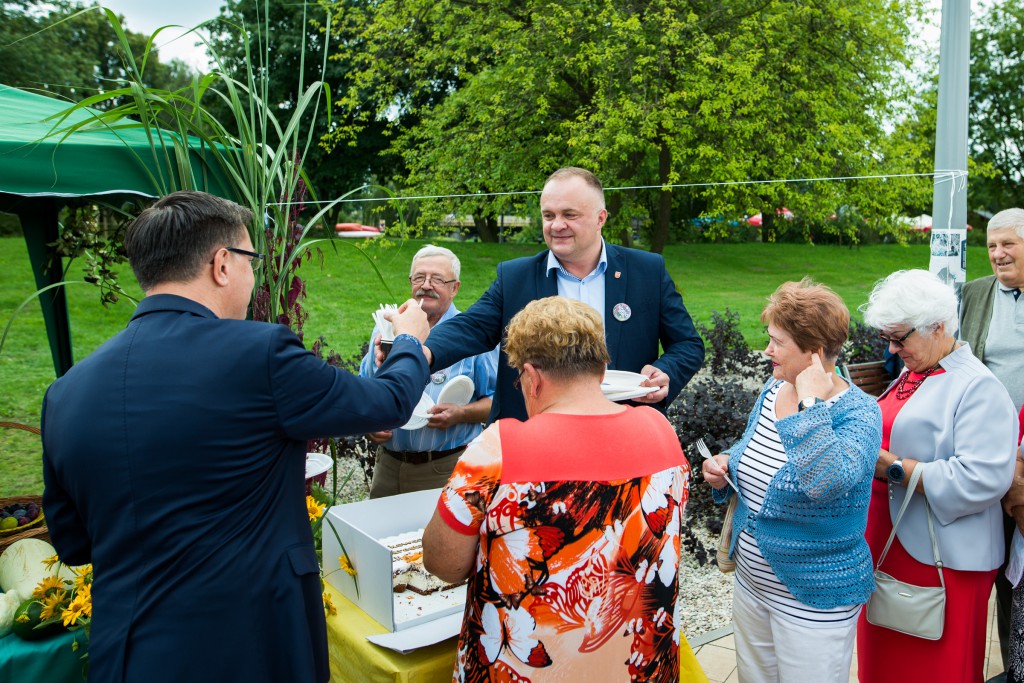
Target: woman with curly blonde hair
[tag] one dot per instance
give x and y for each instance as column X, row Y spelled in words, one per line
column 567, row 525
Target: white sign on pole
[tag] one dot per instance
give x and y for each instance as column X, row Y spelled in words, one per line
column 949, row 255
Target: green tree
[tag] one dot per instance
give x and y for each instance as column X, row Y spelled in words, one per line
column 494, row 95
column 70, row 50
column 996, row 108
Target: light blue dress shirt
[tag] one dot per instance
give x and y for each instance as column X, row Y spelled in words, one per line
column 589, row 290
column 482, row 369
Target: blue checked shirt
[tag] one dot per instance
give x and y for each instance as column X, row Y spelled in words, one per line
column 482, row 369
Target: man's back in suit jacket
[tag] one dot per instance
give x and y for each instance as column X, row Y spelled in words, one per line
column 174, row 461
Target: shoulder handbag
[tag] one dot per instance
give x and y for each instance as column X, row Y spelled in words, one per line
column 915, row 610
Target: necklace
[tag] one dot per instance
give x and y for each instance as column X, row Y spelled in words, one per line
column 905, row 389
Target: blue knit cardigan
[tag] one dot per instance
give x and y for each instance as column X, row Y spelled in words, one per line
column 811, row 525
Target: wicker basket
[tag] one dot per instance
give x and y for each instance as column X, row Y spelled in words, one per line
column 37, row 530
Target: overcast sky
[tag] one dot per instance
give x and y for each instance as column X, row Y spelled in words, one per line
column 145, row 16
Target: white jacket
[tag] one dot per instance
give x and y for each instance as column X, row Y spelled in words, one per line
column 961, row 427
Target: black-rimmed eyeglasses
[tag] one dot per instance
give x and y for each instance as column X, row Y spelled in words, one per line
column 897, row 341
column 255, row 259
column 435, row 280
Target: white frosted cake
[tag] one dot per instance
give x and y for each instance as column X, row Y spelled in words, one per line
column 407, row 571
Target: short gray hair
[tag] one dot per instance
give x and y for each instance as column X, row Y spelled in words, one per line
column 431, row 250
column 1012, row 219
column 912, row 297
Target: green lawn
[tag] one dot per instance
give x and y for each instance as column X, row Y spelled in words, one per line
column 343, row 294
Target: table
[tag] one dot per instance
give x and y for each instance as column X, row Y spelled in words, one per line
column 353, row 658
column 51, row 659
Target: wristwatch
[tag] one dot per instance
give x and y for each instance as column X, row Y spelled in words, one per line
column 808, row 402
column 895, row 472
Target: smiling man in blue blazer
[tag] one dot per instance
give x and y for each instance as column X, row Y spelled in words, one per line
column 174, row 462
column 629, row 288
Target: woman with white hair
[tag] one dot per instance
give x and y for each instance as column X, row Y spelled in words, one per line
column 950, row 424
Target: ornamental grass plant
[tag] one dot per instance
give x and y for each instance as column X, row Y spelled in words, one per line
column 257, row 147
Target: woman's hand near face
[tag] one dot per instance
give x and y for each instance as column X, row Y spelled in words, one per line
column 814, row 380
column 715, row 468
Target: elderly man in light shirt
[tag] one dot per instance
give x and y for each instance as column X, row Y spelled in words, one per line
column 423, row 458
column 992, row 322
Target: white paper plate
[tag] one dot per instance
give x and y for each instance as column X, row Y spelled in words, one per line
column 627, row 395
column 458, row 391
column 317, row 463
column 420, row 417
column 620, row 385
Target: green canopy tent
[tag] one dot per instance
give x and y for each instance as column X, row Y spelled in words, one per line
column 41, row 170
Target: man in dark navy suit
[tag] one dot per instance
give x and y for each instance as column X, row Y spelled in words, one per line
column 174, row 460
column 629, row 288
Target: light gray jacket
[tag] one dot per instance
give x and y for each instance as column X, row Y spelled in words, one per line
column 961, row 427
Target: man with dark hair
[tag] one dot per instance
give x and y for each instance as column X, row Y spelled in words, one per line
column 174, row 462
column 631, row 289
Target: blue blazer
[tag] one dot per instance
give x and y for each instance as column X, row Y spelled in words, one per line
column 657, row 316
column 174, row 461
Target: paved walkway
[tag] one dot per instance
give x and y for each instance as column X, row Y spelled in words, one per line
column 716, row 653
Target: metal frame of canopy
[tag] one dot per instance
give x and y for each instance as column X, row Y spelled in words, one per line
column 40, row 171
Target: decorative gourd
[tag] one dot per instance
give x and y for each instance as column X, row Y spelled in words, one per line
column 28, row 617
column 9, row 603
column 22, row 568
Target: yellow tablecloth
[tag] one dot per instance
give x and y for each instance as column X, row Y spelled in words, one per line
column 355, row 660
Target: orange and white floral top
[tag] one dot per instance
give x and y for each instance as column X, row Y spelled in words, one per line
column 576, row 572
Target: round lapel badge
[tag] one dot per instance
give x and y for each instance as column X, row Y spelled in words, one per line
column 621, row 312
column 439, row 377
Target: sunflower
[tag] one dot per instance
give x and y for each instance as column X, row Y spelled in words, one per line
column 329, row 604
column 75, row 610
column 47, row 586
column 314, row 509
column 53, row 605
column 346, row 566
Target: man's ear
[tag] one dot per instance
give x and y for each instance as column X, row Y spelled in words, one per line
column 220, row 269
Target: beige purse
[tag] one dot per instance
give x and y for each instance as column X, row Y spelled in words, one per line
column 725, row 563
column 915, row 610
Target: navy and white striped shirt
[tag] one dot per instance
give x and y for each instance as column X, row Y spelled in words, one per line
column 763, row 457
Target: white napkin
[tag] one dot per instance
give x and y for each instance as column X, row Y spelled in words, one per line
column 387, row 332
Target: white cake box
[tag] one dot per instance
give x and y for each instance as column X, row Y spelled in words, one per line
column 360, row 525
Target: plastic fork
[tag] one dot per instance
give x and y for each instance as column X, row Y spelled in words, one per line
column 702, row 448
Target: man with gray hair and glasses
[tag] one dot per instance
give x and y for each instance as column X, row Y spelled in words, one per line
column 992, row 322
column 423, row 455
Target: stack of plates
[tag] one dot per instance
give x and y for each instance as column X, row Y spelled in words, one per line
column 458, row 391
column 619, row 385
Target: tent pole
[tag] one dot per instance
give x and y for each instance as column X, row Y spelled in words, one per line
column 39, row 223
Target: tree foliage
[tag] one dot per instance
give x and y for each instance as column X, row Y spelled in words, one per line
column 494, row 95
column 69, row 49
column 996, row 106
column 291, row 38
